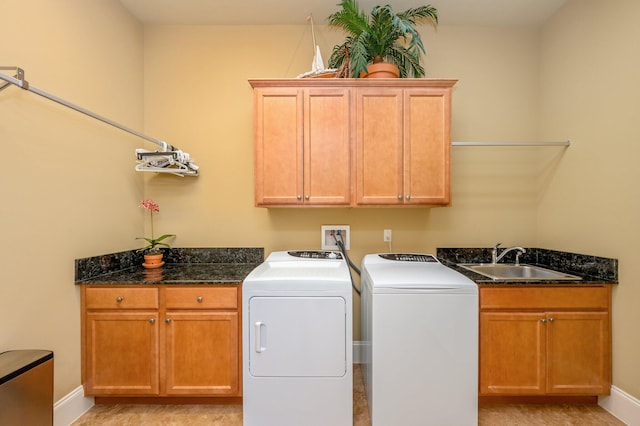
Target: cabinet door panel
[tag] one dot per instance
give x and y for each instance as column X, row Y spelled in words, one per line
column 123, row 354
column 578, row 353
column 278, row 150
column 427, row 147
column 202, row 356
column 379, row 157
column 512, row 348
column 327, row 149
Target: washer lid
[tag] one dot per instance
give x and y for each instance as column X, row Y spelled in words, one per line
column 412, row 274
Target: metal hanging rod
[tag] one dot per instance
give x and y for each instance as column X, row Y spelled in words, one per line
column 560, row 143
column 184, row 164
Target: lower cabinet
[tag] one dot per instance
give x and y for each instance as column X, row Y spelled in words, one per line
column 161, row 341
column 545, row 340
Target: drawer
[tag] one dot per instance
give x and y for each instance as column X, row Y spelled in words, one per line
column 121, row 298
column 201, row 297
column 545, row 298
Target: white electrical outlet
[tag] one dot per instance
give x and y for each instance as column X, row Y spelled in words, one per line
column 329, row 233
column 387, row 236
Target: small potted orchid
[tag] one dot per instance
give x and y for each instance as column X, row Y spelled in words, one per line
column 152, row 253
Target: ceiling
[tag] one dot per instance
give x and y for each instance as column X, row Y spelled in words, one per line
column 529, row 13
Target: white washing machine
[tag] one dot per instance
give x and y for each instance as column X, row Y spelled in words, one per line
column 420, row 331
column 297, row 341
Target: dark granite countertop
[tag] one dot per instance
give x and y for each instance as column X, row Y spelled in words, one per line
column 592, row 269
column 178, row 273
column 183, row 266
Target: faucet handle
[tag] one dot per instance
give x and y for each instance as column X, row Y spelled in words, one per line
column 497, row 245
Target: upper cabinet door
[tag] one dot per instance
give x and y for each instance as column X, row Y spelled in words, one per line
column 278, row 119
column 327, row 148
column 427, row 146
column 379, row 146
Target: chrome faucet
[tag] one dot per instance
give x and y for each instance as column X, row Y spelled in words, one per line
column 494, row 253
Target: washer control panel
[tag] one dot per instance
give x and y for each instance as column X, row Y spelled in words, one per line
column 312, row 254
column 409, row 257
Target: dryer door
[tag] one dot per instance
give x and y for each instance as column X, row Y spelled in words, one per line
column 297, row 336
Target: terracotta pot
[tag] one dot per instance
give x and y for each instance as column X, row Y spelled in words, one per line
column 153, row 261
column 382, row 70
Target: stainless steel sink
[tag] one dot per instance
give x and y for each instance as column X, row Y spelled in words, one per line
column 512, row 272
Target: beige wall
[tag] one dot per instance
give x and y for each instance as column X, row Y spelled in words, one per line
column 591, row 204
column 78, row 194
column 68, row 186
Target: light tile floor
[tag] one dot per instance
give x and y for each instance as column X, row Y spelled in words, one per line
column 231, row 415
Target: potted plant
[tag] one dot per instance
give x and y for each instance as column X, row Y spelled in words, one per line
column 152, row 253
column 384, row 37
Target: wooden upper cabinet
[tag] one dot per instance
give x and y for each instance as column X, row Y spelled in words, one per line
column 352, row 142
column 403, row 144
column 302, row 146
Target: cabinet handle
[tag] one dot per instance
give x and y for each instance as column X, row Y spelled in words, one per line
column 552, row 319
column 408, row 197
column 543, row 320
column 199, row 299
column 299, row 197
column 306, row 197
column 119, row 299
column 152, row 320
column 400, row 197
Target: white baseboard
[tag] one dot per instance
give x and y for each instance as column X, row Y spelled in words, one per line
column 70, row 407
column 358, row 352
column 622, row 405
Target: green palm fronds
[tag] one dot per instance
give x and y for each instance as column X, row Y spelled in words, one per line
column 384, row 35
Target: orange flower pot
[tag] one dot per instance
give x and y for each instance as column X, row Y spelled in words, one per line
column 153, row 261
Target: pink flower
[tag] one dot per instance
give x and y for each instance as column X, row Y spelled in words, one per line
column 150, row 205
column 153, row 242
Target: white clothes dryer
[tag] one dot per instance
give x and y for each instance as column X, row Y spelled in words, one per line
column 297, row 341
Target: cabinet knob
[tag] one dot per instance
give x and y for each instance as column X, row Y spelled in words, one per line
column 552, row 319
column 408, row 197
column 199, row 299
column 152, row 320
column 299, row 197
column 400, row 197
column 306, row 197
column 168, row 320
column 119, row 299
column 543, row 320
